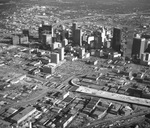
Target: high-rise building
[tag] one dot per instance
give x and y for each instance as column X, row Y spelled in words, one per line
column 138, row 47
column 98, row 39
column 55, row 58
column 74, row 27
column 78, row 37
column 98, row 42
column 116, row 41
column 103, row 35
column 44, row 29
column 61, row 53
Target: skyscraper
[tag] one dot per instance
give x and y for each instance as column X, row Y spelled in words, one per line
column 45, row 29
column 78, row 37
column 98, row 39
column 138, row 47
column 116, row 41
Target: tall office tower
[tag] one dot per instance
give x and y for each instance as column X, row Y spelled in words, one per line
column 78, row 37
column 98, row 39
column 103, row 35
column 44, row 29
column 138, row 47
column 46, row 39
column 74, row 27
column 55, row 58
column 116, row 41
column 98, row 42
column 25, row 32
column 52, row 32
column 61, row 53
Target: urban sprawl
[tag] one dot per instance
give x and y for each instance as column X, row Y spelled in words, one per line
column 72, row 73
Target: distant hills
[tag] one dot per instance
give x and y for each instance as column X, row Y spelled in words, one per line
column 4, row 1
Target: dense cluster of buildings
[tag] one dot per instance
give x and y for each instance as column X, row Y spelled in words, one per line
column 80, row 43
column 63, row 108
column 58, row 110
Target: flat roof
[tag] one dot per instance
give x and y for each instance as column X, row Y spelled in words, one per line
column 23, row 113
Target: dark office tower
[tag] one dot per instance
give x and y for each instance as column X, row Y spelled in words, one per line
column 116, row 41
column 74, row 27
column 45, row 29
column 25, row 32
column 138, row 47
column 98, row 39
column 98, row 42
column 78, row 37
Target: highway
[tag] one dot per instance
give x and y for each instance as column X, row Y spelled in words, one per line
column 112, row 96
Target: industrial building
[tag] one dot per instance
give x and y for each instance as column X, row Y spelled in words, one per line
column 23, row 115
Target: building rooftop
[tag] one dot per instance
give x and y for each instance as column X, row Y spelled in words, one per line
column 23, row 113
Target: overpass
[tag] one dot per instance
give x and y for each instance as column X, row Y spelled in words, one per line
column 110, row 95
